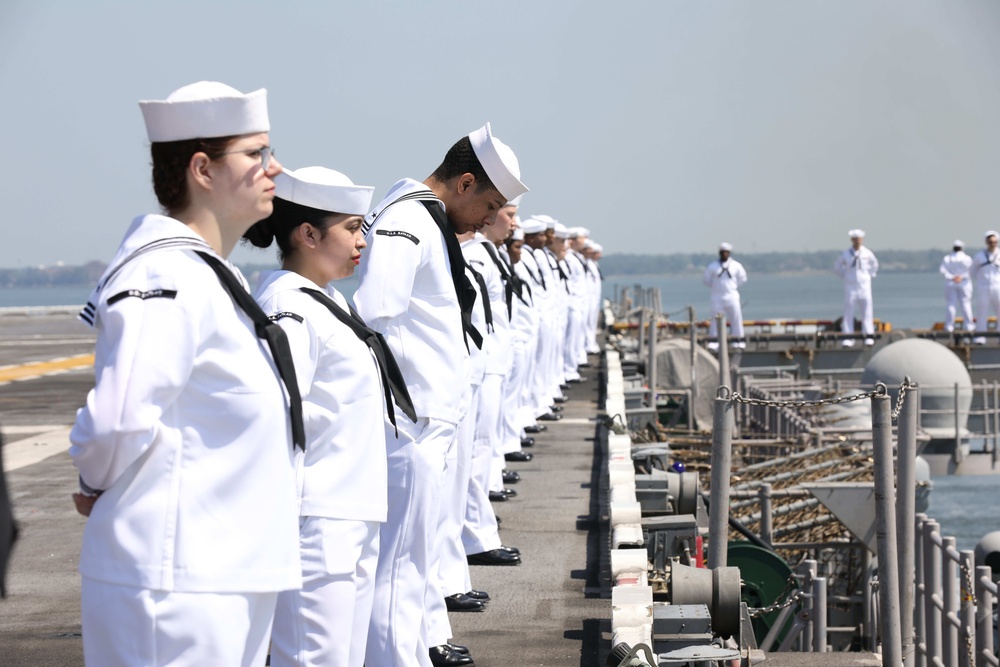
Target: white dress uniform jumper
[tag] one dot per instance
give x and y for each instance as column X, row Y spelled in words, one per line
column 186, row 425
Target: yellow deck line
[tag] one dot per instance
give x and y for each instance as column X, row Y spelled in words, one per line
column 40, row 368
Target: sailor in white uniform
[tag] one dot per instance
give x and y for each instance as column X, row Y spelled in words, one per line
column 580, row 293
column 520, row 408
column 413, row 289
column 955, row 268
column 591, row 251
column 183, row 448
column 544, row 286
column 724, row 277
column 856, row 266
column 986, row 275
column 341, row 367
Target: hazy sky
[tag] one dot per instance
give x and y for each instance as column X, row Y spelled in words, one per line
column 663, row 126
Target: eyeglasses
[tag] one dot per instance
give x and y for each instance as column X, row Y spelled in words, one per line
column 264, row 154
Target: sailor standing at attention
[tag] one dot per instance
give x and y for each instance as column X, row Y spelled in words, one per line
column 955, row 268
column 414, row 290
column 986, row 274
column 184, row 448
column 856, row 266
column 345, row 377
column 725, row 276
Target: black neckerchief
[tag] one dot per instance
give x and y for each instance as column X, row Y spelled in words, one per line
column 511, row 282
column 487, row 309
column 586, row 269
column 990, row 260
column 464, row 290
column 275, row 337
column 392, row 378
column 724, row 268
column 541, row 276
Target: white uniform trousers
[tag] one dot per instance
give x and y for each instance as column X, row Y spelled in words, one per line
column 124, row 626
column 326, row 623
column 858, row 301
column 728, row 305
column 542, row 378
column 592, row 318
column 416, row 467
column 557, row 373
column 526, row 402
column 571, row 344
column 449, row 568
column 987, row 303
column 958, row 297
column 513, row 395
column 480, row 532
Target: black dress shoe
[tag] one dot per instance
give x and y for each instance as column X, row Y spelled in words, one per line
column 512, row 550
column 556, row 408
column 482, row 596
column 559, row 399
column 518, row 456
column 499, row 520
column 510, row 493
column 444, row 656
column 458, row 648
column 498, row 496
column 535, row 428
column 549, row 417
column 528, row 442
column 564, row 387
column 510, row 477
column 462, row 602
column 494, row 557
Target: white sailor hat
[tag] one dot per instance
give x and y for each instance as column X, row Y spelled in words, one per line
column 516, row 201
column 498, row 161
column 550, row 222
column 572, row 232
column 726, row 246
column 598, row 247
column 205, row 110
column 957, row 243
column 325, row 189
column 856, row 234
column 561, row 232
column 517, row 234
column 533, row 226
column 991, row 233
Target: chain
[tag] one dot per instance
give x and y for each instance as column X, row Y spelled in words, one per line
column 903, row 386
column 739, row 398
column 757, row 612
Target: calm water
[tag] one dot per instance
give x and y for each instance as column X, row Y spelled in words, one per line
column 907, row 300
column 966, row 507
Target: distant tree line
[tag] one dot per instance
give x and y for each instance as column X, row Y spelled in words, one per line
column 764, row 262
column 611, row 265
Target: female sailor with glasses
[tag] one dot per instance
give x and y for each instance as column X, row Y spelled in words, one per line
column 185, row 447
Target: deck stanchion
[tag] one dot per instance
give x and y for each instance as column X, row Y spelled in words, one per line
column 720, row 326
column 819, row 613
column 949, row 595
column 932, row 584
column 651, row 364
column 984, row 616
column 885, row 531
column 967, row 610
column 722, row 443
column 906, row 489
column 920, row 593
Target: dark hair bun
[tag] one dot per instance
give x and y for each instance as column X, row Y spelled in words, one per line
column 260, row 234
